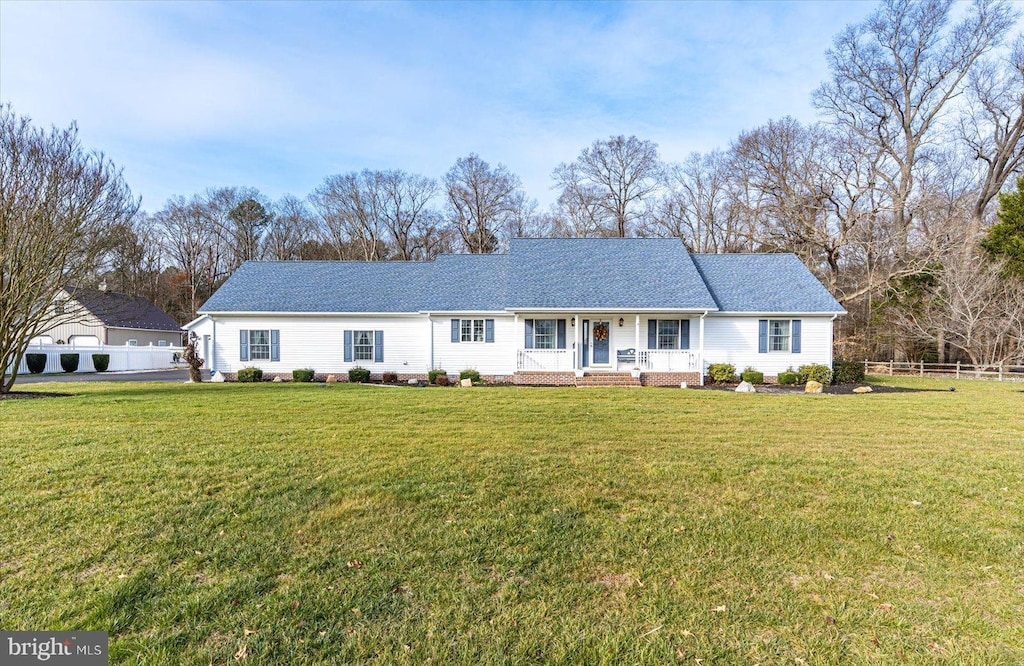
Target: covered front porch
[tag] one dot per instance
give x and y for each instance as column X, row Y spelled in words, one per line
column 595, row 343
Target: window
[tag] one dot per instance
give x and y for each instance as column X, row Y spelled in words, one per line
column 544, row 333
column 161, row 343
column 472, row 330
column 362, row 345
column 133, row 343
column 259, row 345
column 668, row 334
column 778, row 335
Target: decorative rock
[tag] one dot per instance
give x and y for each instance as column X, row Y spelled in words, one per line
column 278, row 380
column 683, row 385
column 413, row 382
column 218, row 377
column 331, row 379
column 746, row 387
column 813, row 387
column 862, row 389
column 466, row 383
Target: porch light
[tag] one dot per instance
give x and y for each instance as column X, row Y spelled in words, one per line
column 621, row 322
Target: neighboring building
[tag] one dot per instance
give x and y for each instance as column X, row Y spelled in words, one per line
column 98, row 317
column 551, row 311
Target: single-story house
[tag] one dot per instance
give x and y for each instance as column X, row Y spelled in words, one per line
column 94, row 317
column 549, row 312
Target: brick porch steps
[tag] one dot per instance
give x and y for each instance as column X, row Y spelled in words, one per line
column 607, row 379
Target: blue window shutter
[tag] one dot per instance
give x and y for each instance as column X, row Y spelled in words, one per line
column 348, row 346
column 762, row 336
column 378, row 346
column 652, row 333
column 561, row 334
column 456, row 331
column 275, row 345
column 488, row 330
column 243, row 346
column 529, row 334
column 796, row 335
column 684, row 333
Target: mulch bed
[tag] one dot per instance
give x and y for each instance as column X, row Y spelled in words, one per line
column 836, row 389
column 29, row 395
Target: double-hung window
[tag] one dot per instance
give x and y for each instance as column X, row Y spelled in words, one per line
column 778, row 335
column 668, row 334
column 545, row 332
column 472, row 330
column 362, row 345
column 259, row 345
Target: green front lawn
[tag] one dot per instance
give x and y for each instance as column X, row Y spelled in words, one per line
column 303, row 524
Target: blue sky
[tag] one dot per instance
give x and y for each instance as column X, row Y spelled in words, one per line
column 189, row 95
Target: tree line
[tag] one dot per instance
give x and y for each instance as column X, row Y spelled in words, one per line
column 899, row 198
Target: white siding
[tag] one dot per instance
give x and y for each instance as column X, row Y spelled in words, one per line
column 733, row 339
column 318, row 342
column 487, row 358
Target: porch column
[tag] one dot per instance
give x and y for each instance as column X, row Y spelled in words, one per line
column 518, row 345
column 636, row 344
column 701, row 358
column 576, row 349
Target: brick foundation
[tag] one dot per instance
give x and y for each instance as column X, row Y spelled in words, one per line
column 673, row 379
column 544, row 378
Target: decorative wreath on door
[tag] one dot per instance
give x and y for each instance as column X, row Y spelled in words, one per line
column 601, row 332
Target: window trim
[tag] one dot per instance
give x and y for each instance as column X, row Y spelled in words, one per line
column 468, row 335
column 788, row 337
column 553, row 334
column 356, row 346
column 253, row 345
column 675, row 337
column 131, row 343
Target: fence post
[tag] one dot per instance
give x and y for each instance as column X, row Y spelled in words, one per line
column 922, row 368
column 890, row 367
column 1000, row 371
column 958, row 369
column 865, row 366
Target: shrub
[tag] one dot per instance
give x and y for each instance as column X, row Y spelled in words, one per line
column 250, row 375
column 815, row 372
column 847, row 372
column 359, row 375
column 303, row 375
column 69, row 362
column 434, row 374
column 442, row 380
column 101, row 362
column 36, row 363
column 752, row 376
column 470, row 374
column 722, row 372
column 788, row 378
column 390, row 377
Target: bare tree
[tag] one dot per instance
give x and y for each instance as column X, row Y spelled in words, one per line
column 190, row 239
column 249, row 220
column 292, row 230
column 698, row 207
column 481, row 201
column 610, row 181
column 992, row 127
column 404, row 210
column 58, row 204
column 349, row 209
column 894, row 74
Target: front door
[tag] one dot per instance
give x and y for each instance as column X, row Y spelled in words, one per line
column 600, row 332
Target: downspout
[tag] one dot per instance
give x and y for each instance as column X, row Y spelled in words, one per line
column 213, row 362
column 832, row 341
column 705, row 314
column 430, row 328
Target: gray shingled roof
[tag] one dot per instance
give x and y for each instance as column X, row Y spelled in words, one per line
column 123, row 311
column 611, row 273
column 589, row 273
column 764, row 283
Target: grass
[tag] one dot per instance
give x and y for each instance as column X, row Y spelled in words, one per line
column 355, row 524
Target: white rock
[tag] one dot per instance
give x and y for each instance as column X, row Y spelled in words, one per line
column 746, row 387
column 218, row 377
column 413, row 382
column 278, row 380
column 862, row 389
column 683, row 385
column 466, row 383
column 813, row 387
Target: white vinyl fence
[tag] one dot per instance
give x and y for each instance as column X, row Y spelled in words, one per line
column 121, row 358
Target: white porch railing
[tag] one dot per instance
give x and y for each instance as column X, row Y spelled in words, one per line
column 121, row 357
column 544, row 359
column 667, row 360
